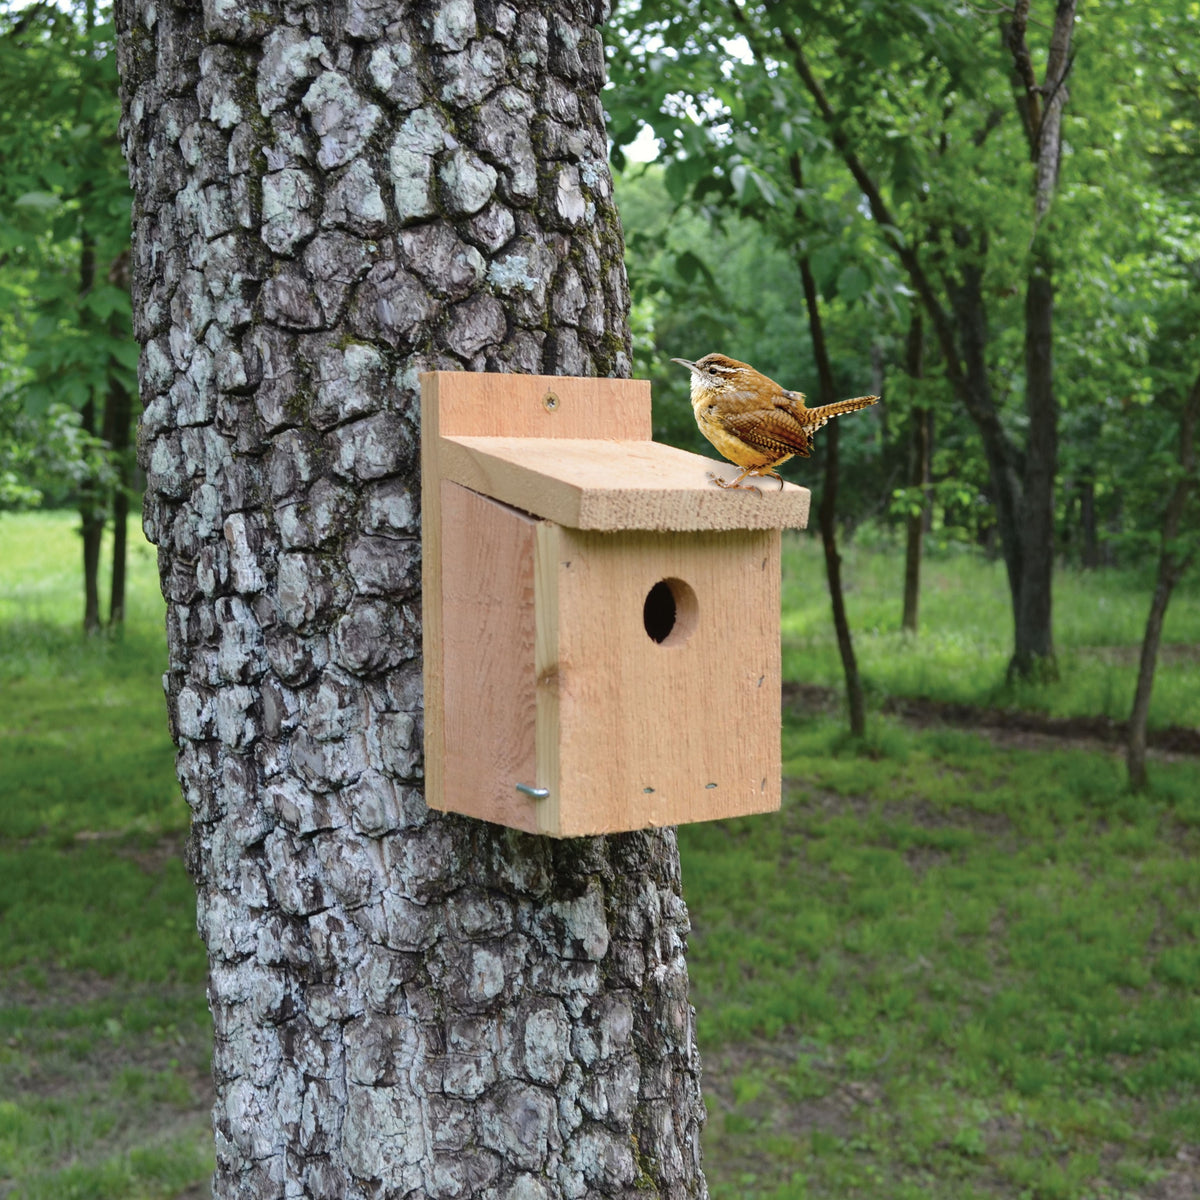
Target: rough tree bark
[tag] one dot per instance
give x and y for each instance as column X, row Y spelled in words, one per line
column 1173, row 562
column 329, row 199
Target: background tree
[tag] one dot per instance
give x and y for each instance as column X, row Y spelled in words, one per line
column 327, row 202
column 919, row 120
column 64, row 236
column 1173, row 262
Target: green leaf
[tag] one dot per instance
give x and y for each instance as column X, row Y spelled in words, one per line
column 823, row 263
column 38, row 201
column 852, row 282
column 689, row 265
column 105, row 300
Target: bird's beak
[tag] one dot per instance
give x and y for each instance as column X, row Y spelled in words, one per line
column 683, row 362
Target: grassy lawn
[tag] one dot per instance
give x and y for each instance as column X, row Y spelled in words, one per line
column 950, row 970
column 104, row 1029
column 946, row 969
column 965, row 639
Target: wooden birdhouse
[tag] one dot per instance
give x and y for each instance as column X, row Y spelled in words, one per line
column 601, row 623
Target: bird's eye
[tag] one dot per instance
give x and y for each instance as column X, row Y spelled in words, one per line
column 712, row 370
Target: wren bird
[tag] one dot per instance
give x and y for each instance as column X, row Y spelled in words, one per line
column 751, row 420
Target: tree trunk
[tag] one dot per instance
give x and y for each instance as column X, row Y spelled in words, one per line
column 918, row 477
column 91, row 520
column 827, row 517
column 1172, row 563
column 117, row 415
column 1087, row 521
column 91, row 513
column 918, row 522
column 329, row 200
column 1033, row 651
column 827, row 512
column 116, row 420
column 1040, row 105
column 974, row 386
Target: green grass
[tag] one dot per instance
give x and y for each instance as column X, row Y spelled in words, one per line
column 945, row 971
column 962, row 650
column 949, row 970
column 83, row 739
column 104, row 1030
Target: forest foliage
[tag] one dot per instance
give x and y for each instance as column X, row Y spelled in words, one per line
column 782, row 132
column 925, row 96
column 64, row 241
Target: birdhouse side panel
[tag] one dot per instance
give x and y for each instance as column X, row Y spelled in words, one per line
column 668, row 678
column 487, row 658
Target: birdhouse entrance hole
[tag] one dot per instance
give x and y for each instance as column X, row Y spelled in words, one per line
column 670, row 612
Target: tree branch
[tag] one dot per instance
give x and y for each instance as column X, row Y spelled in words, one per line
column 1041, row 105
column 992, row 122
column 1027, row 91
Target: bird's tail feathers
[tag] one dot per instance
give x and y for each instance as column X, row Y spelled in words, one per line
column 819, row 416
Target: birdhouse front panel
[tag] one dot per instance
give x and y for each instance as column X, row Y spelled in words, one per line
column 664, row 656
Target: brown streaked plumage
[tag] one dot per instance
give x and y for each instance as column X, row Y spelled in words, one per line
column 751, row 420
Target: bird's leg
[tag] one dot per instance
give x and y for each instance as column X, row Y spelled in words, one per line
column 736, row 483
column 747, row 487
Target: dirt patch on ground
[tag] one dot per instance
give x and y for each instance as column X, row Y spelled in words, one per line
column 1169, row 654
column 1013, row 727
column 771, row 1111
column 150, row 853
column 1182, row 1181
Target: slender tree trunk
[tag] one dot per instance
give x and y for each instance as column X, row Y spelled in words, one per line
column 975, row 387
column 918, row 477
column 116, row 419
column 1172, row 563
column 827, row 512
column 1087, row 521
column 1040, row 105
column 918, row 523
column 329, row 200
column 93, row 531
column 91, row 512
column 91, row 519
column 827, row 517
column 1033, row 652
column 91, row 502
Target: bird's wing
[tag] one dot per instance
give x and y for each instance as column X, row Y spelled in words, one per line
column 772, row 430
